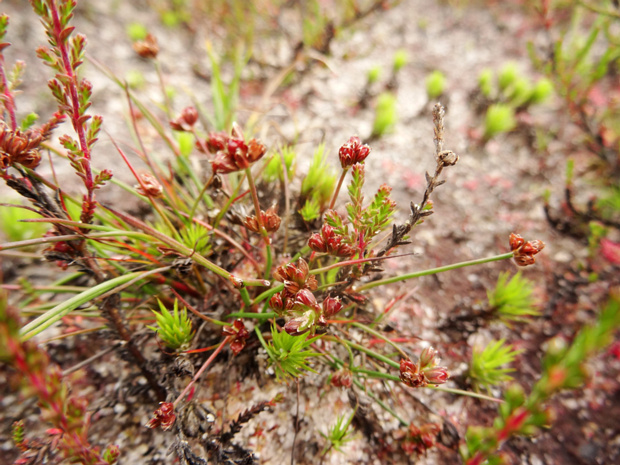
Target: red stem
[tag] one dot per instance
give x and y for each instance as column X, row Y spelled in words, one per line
column 75, row 101
column 202, row 369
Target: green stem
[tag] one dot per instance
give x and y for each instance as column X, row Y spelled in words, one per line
column 441, row 269
column 376, row 374
column 252, row 315
column 373, row 354
column 245, row 297
column 380, row 336
column 464, row 393
column 51, row 316
column 268, row 293
column 259, row 221
column 380, row 402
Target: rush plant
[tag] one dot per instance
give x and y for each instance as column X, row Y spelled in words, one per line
column 261, row 286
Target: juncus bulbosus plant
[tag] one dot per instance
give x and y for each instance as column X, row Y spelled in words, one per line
column 226, row 258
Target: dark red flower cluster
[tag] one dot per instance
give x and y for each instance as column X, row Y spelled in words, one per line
column 419, row 439
column 240, row 332
column 164, row 416
column 342, row 378
column 185, row 122
column 524, row 251
column 22, row 147
column 353, row 152
column 426, row 372
column 297, row 302
column 232, row 153
column 327, row 241
column 295, row 276
column 269, row 219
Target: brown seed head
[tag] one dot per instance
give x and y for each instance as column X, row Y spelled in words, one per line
column 147, row 48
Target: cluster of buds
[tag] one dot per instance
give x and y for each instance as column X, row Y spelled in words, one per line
column 305, row 314
column 419, row 439
column 22, row 147
column 269, row 219
column 232, row 153
column 524, row 251
column 342, row 378
column 425, row 372
column 147, row 48
column 297, row 302
column 164, row 416
column 353, row 152
column 328, row 241
column 149, row 186
column 186, row 120
column 240, row 333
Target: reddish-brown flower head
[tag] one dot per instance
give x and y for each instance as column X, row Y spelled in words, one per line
column 426, row 372
column 239, row 331
column 295, row 276
column 331, row 306
column 149, row 186
column 232, row 153
column 187, row 119
column 342, row 378
column 270, row 220
column 20, row 147
column 524, row 251
column 147, row 48
column 353, row 152
column 327, row 241
column 164, row 417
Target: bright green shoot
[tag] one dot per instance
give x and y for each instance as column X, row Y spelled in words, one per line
column 274, row 170
column 386, row 114
column 512, row 300
column 488, row 367
column 174, row 329
column 320, row 181
column 339, row 434
column 287, row 354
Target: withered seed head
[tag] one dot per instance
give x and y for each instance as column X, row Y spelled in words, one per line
column 147, row 48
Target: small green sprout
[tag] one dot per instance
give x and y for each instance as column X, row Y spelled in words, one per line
column 499, row 118
column 488, row 366
column 186, row 142
column 28, row 121
column 485, row 82
column 174, row 329
column 137, row 31
column 311, row 210
column 400, row 59
column 196, row 237
column 339, row 434
column 287, row 354
column 507, row 76
column 320, row 181
column 386, row 114
column 274, row 170
column 374, row 74
column 511, row 300
column 541, row 91
column 435, row 84
column 520, row 92
column 135, row 79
